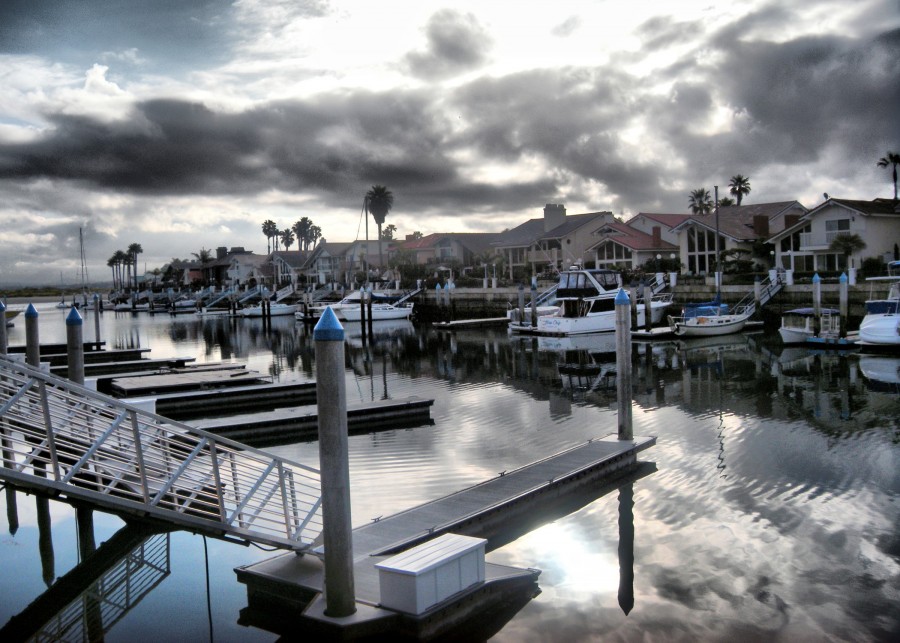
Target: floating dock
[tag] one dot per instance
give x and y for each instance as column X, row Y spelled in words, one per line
column 471, row 323
column 285, row 592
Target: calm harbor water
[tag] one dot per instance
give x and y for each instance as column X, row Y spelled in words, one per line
column 772, row 514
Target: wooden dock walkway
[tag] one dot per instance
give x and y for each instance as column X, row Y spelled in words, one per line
column 187, row 405
column 471, row 323
column 484, row 510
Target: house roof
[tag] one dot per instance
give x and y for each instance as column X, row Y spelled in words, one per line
column 670, row 220
column 533, row 230
column 875, row 207
column 293, row 258
column 736, row 221
column 475, row 242
column 631, row 238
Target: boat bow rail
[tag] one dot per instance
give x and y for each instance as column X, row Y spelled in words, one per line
column 64, row 439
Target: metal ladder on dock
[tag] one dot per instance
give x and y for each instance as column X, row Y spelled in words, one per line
column 64, row 439
column 767, row 290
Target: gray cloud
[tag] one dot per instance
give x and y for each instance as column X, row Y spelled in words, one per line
column 457, row 43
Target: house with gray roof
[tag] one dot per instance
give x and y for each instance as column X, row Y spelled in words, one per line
column 553, row 242
column 804, row 245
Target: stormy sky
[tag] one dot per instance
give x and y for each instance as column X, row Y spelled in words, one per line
column 184, row 125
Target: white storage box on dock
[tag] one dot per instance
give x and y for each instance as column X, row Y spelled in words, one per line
column 425, row 575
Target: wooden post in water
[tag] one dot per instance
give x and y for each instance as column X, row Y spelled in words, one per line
column 633, row 300
column 817, row 304
column 32, row 337
column 4, row 337
column 844, row 304
column 97, row 307
column 75, row 346
column 331, row 392
column 623, row 364
column 648, row 313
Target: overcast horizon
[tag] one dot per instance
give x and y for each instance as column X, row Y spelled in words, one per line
column 185, row 125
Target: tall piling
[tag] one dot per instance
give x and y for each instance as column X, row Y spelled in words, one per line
column 522, row 304
column 623, row 364
column 4, row 337
column 97, row 308
column 331, row 392
column 534, row 302
column 75, row 346
column 817, row 304
column 648, row 298
column 32, row 337
column 844, row 303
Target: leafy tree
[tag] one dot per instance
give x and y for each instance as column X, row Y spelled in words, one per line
column 700, row 202
column 847, row 243
column 739, row 187
column 892, row 159
column 388, row 234
column 379, row 202
column 416, row 235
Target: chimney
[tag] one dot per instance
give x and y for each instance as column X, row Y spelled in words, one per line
column 554, row 215
column 221, row 251
column 761, row 225
column 657, row 236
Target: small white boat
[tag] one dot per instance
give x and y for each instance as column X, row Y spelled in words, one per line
column 799, row 324
column 380, row 312
column 708, row 325
column 351, row 301
column 275, row 310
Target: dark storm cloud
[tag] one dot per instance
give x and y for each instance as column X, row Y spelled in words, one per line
column 457, row 43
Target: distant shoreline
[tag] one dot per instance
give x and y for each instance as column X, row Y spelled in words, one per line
column 42, row 299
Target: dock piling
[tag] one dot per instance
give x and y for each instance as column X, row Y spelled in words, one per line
column 32, row 337
column 4, row 338
column 331, row 394
column 623, row 364
column 844, row 303
column 817, row 304
column 97, row 308
column 75, row 346
column 648, row 296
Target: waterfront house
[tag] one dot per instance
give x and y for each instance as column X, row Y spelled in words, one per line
column 740, row 227
column 462, row 248
column 804, row 245
column 621, row 245
column 555, row 241
column 288, row 266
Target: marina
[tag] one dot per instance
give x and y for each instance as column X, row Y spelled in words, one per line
column 717, row 504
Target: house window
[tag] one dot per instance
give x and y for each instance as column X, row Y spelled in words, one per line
column 611, row 254
column 702, row 250
column 836, row 227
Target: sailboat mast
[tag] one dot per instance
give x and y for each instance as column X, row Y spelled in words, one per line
column 717, row 273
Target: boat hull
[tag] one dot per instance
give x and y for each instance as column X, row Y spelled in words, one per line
column 712, row 326
column 882, row 330
column 275, row 310
column 380, row 312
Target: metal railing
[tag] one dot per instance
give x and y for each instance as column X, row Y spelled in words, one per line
column 65, row 439
column 108, row 600
column 767, row 290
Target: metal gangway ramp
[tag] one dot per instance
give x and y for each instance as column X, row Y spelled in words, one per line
column 67, row 440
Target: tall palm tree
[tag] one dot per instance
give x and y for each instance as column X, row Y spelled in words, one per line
column 739, row 187
column 892, row 159
column 112, row 263
column 287, row 238
column 133, row 251
column 315, row 233
column 725, row 200
column 700, row 202
column 301, row 229
column 379, row 202
column 270, row 229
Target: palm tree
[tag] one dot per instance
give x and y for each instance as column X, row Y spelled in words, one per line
column 700, row 201
column 388, row 234
column 111, row 262
column 739, row 187
column 847, row 243
column 315, row 233
column 133, row 251
column 301, row 229
column 122, row 260
column 379, row 202
column 270, row 229
column 204, row 256
column 287, row 238
column 725, row 200
column 892, row 159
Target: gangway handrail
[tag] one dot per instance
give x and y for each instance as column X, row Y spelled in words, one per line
column 65, row 439
column 223, row 295
column 768, row 289
column 287, row 291
column 407, row 295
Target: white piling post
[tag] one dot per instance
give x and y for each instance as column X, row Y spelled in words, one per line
column 4, row 338
column 648, row 300
column 522, row 304
column 623, row 364
column 32, row 337
column 331, row 390
column 75, row 346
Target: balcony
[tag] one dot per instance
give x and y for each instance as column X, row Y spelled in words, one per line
column 819, row 240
